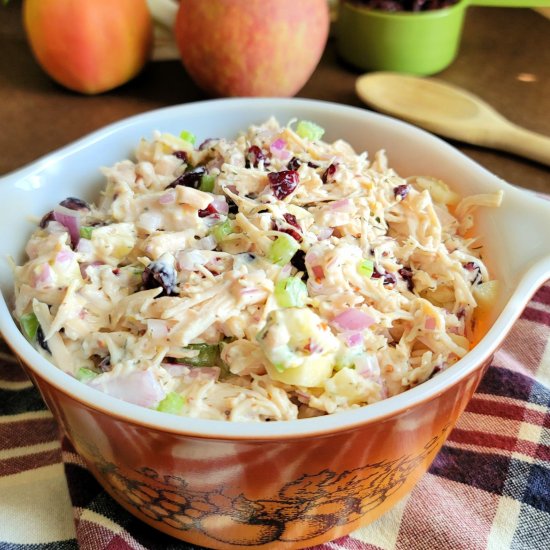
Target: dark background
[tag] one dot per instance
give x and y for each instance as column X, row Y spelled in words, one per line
column 499, row 45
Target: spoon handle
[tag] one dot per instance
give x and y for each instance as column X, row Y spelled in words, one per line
column 514, row 139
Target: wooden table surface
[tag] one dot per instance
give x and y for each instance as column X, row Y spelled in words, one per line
column 504, row 58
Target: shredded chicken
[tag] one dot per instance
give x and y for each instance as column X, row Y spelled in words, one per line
column 270, row 277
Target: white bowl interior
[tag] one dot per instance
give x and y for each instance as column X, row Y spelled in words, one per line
column 514, row 236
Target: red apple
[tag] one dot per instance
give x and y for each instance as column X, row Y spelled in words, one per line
column 251, row 47
column 89, row 46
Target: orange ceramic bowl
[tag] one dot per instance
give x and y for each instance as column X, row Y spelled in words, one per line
column 276, row 485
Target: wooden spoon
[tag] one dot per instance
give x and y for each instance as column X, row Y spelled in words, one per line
column 449, row 111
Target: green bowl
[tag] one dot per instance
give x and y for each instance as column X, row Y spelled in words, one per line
column 420, row 43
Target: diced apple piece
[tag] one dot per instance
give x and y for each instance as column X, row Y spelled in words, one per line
column 439, row 190
column 312, row 373
column 486, row 294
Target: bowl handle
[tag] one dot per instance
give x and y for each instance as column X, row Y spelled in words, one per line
column 528, row 231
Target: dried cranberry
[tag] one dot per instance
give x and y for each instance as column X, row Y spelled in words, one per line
column 182, row 155
column 283, row 183
column 105, row 364
column 192, row 178
column 160, row 274
column 233, row 208
column 294, row 163
column 401, row 191
column 290, row 220
column 40, row 339
column 254, row 156
column 475, row 272
column 329, row 173
column 299, row 262
column 72, row 203
column 388, row 278
column 208, row 211
column 407, row 275
column 46, row 219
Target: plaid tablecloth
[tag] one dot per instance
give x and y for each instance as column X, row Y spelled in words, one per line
column 488, row 488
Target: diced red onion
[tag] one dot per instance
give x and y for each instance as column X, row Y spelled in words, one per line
column 430, row 323
column 210, row 373
column 44, row 277
column 220, row 204
column 354, row 339
column 138, row 387
column 54, row 227
column 71, row 220
column 311, row 257
column 343, row 205
column 278, row 149
column 173, row 369
column 64, row 256
column 168, row 198
column 367, row 365
column 324, row 233
column 353, row 319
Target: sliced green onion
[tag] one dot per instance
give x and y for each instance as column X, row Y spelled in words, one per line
column 291, row 292
column 282, row 249
column 208, row 356
column 85, row 374
column 207, row 183
column 188, row 136
column 86, row 232
column 222, row 230
column 173, row 403
column 29, row 324
column 366, row 268
column 309, row 130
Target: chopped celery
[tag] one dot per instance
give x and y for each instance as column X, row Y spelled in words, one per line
column 283, row 249
column 279, row 367
column 207, row 183
column 188, row 136
column 208, row 356
column 85, row 374
column 29, row 324
column 86, row 232
column 291, row 292
column 222, row 230
column 172, row 403
column 309, row 130
column 366, row 268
